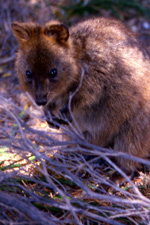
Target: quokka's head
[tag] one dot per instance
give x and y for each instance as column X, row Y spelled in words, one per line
column 44, row 64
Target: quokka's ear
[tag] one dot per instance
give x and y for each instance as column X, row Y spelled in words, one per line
column 20, row 31
column 59, row 31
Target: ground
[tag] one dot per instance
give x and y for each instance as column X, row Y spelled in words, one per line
column 51, row 182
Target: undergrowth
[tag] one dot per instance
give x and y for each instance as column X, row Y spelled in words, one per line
column 43, row 178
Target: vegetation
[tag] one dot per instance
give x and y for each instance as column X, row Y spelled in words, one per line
column 118, row 8
column 44, row 179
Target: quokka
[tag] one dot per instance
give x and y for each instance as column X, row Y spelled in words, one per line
column 112, row 105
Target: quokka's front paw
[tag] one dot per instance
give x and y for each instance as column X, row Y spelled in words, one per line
column 56, row 122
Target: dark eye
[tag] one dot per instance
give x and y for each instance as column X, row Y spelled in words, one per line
column 52, row 74
column 29, row 75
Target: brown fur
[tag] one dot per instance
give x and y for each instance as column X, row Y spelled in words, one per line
column 112, row 107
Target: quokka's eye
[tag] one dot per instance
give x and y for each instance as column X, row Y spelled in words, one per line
column 29, row 75
column 52, row 74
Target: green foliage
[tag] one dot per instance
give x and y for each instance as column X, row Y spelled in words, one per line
column 90, row 7
column 16, row 164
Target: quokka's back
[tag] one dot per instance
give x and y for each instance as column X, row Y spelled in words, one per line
column 111, row 70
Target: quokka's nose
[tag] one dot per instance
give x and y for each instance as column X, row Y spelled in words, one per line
column 41, row 100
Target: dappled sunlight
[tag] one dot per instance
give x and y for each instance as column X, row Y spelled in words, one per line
column 54, row 176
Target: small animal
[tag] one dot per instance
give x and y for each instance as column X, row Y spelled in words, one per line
column 101, row 64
